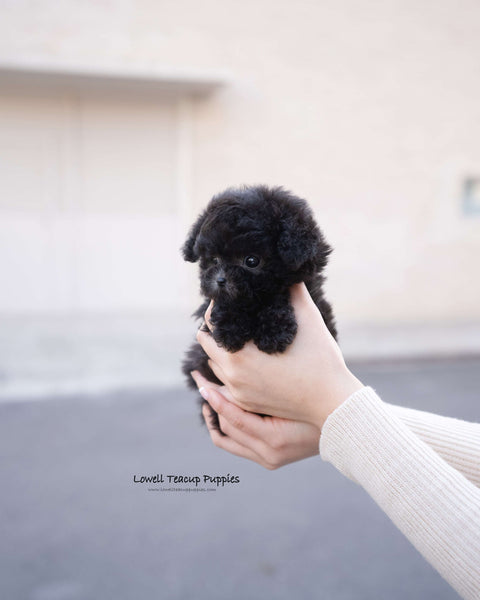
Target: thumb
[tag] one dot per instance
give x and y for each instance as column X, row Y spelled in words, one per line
column 306, row 311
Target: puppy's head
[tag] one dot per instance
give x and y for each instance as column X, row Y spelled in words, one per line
column 255, row 241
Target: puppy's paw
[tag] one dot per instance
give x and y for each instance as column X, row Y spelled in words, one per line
column 278, row 342
column 231, row 329
column 228, row 340
column 276, row 329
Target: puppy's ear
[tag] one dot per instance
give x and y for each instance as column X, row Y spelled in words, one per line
column 188, row 249
column 301, row 243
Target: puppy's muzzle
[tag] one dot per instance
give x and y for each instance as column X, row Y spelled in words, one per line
column 221, row 281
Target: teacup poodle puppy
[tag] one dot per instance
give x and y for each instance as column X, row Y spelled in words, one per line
column 253, row 243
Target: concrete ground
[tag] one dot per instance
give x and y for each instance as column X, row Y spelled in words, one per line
column 74, row 525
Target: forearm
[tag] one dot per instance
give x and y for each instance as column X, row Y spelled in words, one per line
column 456, row 441
column 433, row 504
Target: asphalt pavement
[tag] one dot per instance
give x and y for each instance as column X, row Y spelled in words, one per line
column 78, row 522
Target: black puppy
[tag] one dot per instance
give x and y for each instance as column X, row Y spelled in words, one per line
column 253, row 243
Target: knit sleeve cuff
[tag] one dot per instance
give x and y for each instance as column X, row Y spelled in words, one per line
column 337, row 444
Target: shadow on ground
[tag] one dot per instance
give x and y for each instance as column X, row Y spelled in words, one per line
column 74, row 525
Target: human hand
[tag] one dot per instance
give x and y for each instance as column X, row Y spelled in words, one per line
column 269, row 441
column 305, row 383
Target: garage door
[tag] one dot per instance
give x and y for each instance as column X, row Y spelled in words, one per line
column 89, row 217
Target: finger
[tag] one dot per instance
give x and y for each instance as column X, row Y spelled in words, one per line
column 251, row 425
column 233, row 393
column 202, row 383
column 218, row 371
column 206, row 341
column 208, row 314
column 203, row 327
column 304, row 306
column 226, row 443
column 300, row 296
column 256, row 445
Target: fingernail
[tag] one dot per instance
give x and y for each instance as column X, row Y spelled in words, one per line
column 211, row 397
column 203, row 392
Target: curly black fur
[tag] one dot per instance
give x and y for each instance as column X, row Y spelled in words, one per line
column 253, row 243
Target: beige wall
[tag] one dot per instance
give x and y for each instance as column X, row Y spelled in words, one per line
column 371, row 110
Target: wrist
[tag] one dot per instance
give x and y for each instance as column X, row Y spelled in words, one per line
column 344, row 387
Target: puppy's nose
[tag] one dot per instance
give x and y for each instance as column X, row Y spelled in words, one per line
column 221, row 281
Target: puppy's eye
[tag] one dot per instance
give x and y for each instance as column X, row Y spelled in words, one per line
column 215, row 260
column 251, row 261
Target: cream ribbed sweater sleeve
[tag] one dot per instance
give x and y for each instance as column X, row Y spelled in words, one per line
column 456, row 441
column 431, row 502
